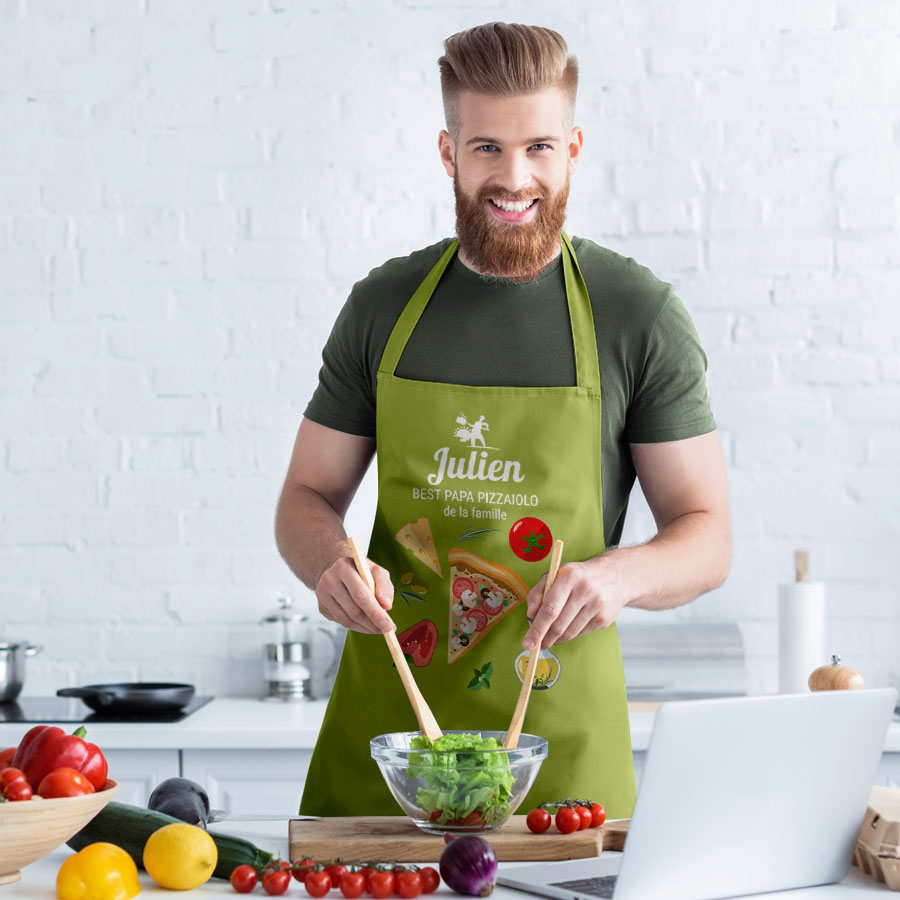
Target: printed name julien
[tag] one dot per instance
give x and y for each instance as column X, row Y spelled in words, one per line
column 473, row 467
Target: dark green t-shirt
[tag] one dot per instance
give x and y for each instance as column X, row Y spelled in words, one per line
column 479, row 330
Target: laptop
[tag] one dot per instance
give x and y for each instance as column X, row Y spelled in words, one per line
column 738, row 796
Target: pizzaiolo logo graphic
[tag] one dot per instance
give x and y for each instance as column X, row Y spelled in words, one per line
column 475, row 466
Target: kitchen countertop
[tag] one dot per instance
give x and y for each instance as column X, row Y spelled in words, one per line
column 250, row 724
column 39, row 879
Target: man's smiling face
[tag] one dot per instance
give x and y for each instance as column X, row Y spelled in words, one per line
column 510, row 165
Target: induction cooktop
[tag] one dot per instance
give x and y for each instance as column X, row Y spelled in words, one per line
column 71, row 709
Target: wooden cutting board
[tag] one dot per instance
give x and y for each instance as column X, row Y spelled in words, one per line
column 396, row 839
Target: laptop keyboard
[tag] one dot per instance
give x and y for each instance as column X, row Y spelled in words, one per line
column 600, row 886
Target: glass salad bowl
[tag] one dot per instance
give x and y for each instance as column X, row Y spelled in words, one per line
column 469, row 784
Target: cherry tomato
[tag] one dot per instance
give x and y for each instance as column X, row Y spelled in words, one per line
column 598, row 815
column 243, row 879
column 335, row 873
column 366, row 872
column 14, row 785
column 538, row 820
column 567, row 820
column 409, row 884
column 352, row 884
column 381, row 884
column 430, row 879
column 585, row 815
column 64, row 782
column 300, row 869
column 276, row 881
column 318, row 884
column 530, row 539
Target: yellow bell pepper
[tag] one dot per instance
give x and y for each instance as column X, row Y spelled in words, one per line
column 100, row 871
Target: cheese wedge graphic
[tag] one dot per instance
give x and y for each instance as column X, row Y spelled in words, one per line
column 417, row 538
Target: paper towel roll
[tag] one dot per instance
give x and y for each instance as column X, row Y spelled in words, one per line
column 801, row 634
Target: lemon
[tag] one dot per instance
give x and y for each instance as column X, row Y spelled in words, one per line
column 180, row 856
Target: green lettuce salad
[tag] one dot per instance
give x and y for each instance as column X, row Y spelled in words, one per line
column 469, row 785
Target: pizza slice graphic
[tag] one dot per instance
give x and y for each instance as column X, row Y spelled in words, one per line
column 417, row 538
column 481, row 594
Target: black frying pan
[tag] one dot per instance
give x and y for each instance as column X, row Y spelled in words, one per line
column 139, row 696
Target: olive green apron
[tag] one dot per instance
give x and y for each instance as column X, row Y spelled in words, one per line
column 498, row 472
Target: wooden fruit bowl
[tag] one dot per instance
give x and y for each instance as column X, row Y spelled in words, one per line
column 30, row 829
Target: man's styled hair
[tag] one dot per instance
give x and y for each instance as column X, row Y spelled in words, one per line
column 504, row 61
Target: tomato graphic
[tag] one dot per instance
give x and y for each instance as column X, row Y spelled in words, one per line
column 418, row 642
column 491, row 601
column 463, row 586
column 530, row 539
column 474, row 620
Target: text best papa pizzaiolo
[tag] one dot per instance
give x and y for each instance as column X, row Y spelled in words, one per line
column 474, row 467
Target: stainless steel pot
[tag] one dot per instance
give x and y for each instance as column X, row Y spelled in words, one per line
column 12, row 667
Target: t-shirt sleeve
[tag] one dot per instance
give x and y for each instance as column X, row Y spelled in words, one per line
column 344, row 398
column 670, row 401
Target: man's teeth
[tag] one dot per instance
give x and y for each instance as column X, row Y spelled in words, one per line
column 519, row 206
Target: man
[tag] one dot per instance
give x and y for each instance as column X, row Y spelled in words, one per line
column 513, row 328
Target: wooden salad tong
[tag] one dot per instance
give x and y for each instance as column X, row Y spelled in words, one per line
column 427, row 723
column 515, row 727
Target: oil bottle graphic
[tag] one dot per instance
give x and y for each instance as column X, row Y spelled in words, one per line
column 545, row 675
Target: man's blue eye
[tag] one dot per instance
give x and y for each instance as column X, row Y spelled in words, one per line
column 540, row 146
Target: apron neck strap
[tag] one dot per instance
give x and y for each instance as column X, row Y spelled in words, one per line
column 587, row 369
column 581, row 317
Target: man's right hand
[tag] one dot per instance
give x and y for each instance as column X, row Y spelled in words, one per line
column 346, row 599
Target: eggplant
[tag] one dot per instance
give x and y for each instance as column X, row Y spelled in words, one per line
column 183, row 799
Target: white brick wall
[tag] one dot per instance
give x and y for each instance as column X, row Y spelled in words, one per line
column 188, row 190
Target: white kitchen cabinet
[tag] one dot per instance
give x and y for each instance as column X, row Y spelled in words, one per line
column 639, row 758
column 139, row 771
column 246, row 782
column 888, row 773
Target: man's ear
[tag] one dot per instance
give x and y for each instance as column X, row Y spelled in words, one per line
column 576, row 142
column 447, row 149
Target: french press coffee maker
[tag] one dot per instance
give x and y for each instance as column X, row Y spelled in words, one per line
column 288, row 657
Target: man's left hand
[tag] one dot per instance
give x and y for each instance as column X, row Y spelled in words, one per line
column 585, row 597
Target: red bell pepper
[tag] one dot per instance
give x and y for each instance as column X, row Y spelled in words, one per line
column 6, row 757
column 46, row 747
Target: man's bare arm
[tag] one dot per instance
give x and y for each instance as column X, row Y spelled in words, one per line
column 324, row 474
column 686, row 488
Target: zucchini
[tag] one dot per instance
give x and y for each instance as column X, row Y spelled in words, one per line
column 129, row 827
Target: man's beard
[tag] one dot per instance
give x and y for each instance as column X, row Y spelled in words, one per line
column 506, row 248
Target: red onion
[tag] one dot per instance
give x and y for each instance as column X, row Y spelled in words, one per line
column 469, row 866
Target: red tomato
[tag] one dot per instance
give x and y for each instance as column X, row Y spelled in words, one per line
column 6, row 757
column 598, row 815
column 243, row 879
column 318, row 884
column 585, row 815
column 409, row 884
column 276, row 881
column 301, row 868
column 352, row 884
column 538, row 820
column 381, row 884
column 419, row 641
column 335, row 873
column 14, row 785
column 64, row 782
column 530, row 539
column 461, row 585
column 567, row 820
column 430, row 879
